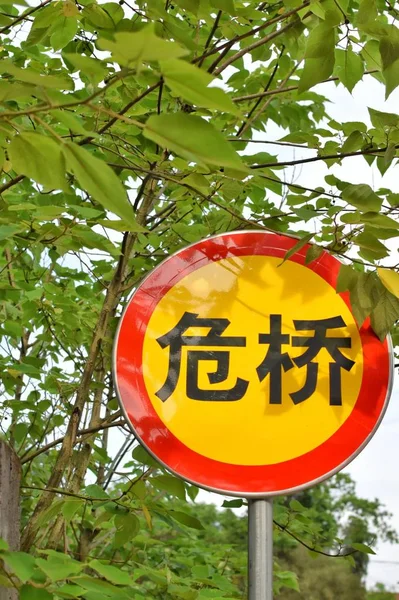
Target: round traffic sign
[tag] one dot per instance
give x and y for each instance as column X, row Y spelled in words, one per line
column 245, row 373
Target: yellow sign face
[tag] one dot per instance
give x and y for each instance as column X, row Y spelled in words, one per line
column 250, row 362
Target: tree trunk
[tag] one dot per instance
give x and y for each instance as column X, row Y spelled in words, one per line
column 10, row 476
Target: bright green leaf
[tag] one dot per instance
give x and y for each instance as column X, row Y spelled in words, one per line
column 22, row 564
column 298, row 246
column 236, row 503
column 65, row 32
column 186, row 519
column 389, row 50
column 362, row 548
column 28, row 592
column 127, row 527
column 191, row 83
column 100, row 181
column 113, row 574
column 32, row 153
column 142, row 46
column 390, row 279
column 193, row 138
column 170, row 484
column 362, row 196
column 31, row 76
column 348, row 67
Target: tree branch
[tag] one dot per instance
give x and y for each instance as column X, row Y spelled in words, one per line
column 243, row 51
column 83, row 433
column 302, row 161
column 290, row 88
column 23, row 16
column 251, row 33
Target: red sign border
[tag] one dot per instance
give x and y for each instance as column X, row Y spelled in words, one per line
column 230, row 479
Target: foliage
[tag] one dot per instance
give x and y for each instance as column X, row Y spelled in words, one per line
column 128, row 130
column 380, row 593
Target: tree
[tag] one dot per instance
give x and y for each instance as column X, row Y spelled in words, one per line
column 380, row 593
column 115, row 152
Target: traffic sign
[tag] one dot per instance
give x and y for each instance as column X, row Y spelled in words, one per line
column 245, row 373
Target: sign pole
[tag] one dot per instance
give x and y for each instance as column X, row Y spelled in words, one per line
column 260, row 549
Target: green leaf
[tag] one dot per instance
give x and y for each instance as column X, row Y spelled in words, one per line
column 383, row 120
column 143, row 46
column 31, row 76
column 113, row 574
column 142, row 456
column 378, row 220
column 385, row 314
column 59, row 566
column 227, row 6
column 95, row 491
column 371, row 242
column 64, row 32
column 97, row 586
column 298, row 246
column 191, row 83
column 192, row 138
column 288, row 580
column 127, row 527
column 362, row 548
column 186, row 519
column 313, row 253
column 100, row 181
column 32, row 153
column 99, row 17
column 28, row 592
column 362, row 196
column 296, row 505
column 8, row 231
column 53, row 511
column 237, row 503
column 349, row 67
column 70, row 120
column 190, row 5
column 390, row 280
column 353, row 143
column 198, row 182
column 170, row 484
column 70, row 508
column 92, row 68
column 22, row 564
column 389, row 50
column 319, row 57
column 361, row 288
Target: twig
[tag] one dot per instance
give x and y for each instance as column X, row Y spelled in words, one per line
column 290, row 88
column 83, row 434
column 23, row 16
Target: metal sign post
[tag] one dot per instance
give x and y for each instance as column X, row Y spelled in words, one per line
column 260, row 549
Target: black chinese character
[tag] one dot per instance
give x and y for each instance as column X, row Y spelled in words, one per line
column 314, row 344
column 175, row 340
column 275, row 360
